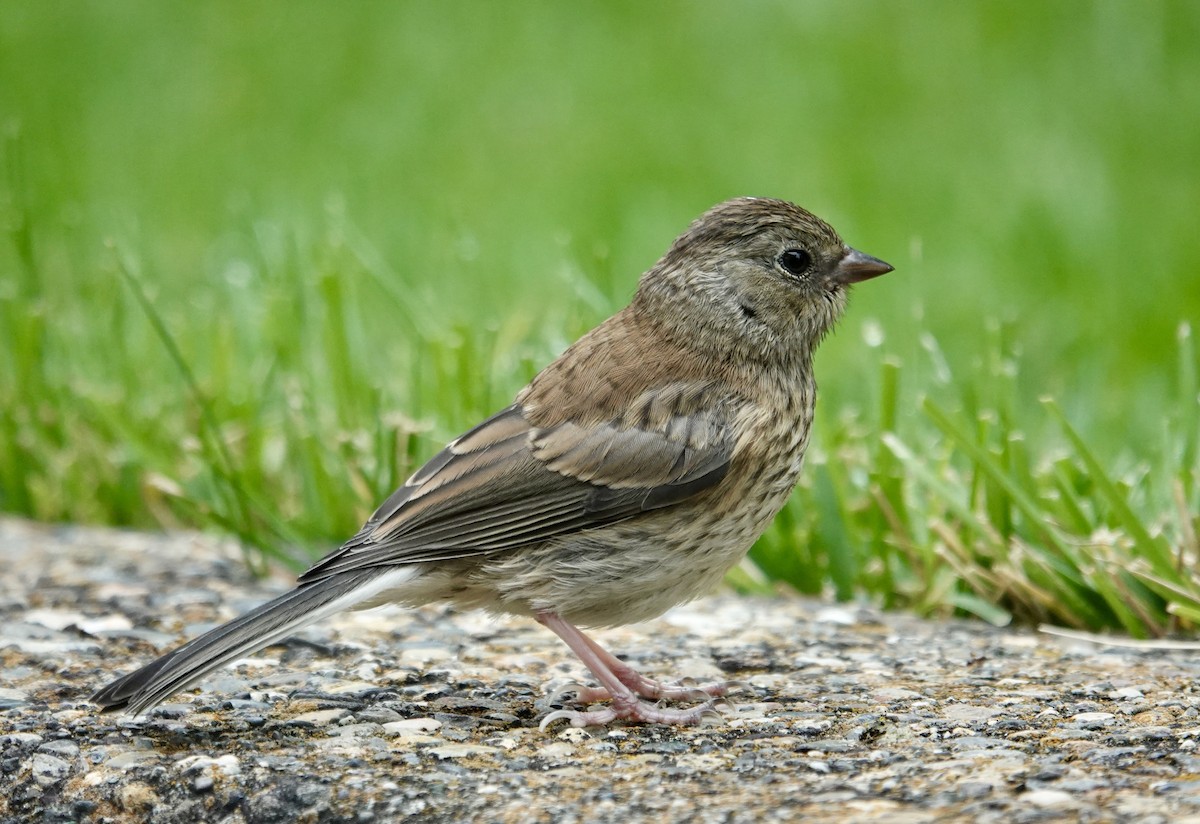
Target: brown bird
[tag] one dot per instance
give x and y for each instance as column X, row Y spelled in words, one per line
column 627, row 477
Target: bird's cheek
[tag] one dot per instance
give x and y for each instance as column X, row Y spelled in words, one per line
column 834, row 288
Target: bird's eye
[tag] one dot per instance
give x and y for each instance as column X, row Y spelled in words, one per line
column 795, row 261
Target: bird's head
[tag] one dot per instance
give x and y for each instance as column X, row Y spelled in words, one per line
column 756, row 274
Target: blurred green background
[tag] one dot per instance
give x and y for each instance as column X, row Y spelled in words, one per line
column 363, row 226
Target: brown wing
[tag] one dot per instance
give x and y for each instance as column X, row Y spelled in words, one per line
column 506, row 484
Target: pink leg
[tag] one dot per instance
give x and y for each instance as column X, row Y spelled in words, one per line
column 640, row 684
column 626, row 705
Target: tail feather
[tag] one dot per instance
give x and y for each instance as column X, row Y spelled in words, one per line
column 258, row 628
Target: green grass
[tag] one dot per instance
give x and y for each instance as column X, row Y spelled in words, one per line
column 262, row 260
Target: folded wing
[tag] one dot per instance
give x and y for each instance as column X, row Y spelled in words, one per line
column 507, row 483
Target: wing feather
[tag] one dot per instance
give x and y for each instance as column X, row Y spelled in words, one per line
column 507, row 483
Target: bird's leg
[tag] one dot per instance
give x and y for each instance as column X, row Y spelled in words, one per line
column 646, row 687
column 615, row 677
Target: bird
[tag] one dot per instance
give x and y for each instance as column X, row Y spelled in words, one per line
column 627, row 477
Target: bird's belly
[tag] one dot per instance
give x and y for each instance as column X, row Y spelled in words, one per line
column 628, row 572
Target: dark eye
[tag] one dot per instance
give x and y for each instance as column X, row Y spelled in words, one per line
column 795, row 261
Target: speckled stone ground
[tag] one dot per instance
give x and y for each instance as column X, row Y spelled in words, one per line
column 848, row 715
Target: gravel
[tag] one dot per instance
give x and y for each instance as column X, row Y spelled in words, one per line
column 846, row 714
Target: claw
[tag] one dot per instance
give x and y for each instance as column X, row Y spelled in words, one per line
column 573, row 687
column 579, row 719
column 688, row 689
column 557, row 715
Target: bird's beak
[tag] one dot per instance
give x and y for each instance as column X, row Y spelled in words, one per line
column 857, row 266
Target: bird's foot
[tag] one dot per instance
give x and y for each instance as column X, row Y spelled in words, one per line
column 635, row 710
column 685, row 689
column 626, row 688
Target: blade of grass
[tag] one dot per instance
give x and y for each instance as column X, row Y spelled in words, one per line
column 214, row 444
column 985, row 462
column 1154, row 549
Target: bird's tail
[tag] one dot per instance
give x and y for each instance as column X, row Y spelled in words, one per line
column 262, row 626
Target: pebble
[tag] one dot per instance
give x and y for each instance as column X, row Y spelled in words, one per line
column 976, row 742
column 559, row 749
column 226, row 764
column 132, row 759
column 48, row 769
column 425, row 656
column 966, row 713
column 462, row 750
column 412, row 726
column 48, row 648
column 1094, row 718
column 20, row 739
column 61, row 747
column 320, row 718
column 357, row 730
column 1056, row 799
column 1126, row 693
column 889, row 694
column 377, row 715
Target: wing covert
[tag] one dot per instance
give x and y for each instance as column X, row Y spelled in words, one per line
column 507, row 483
